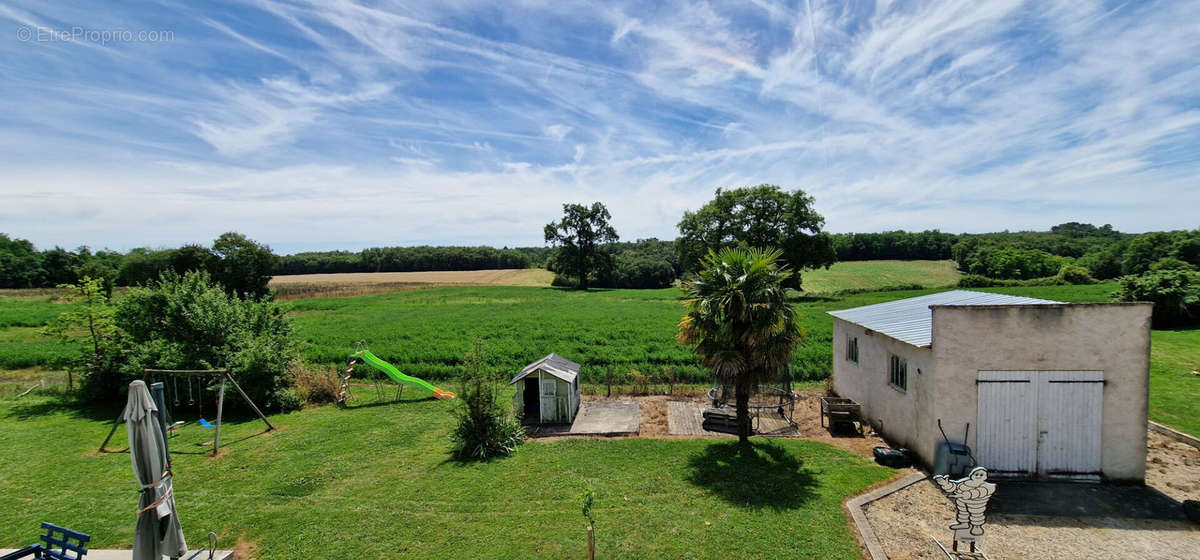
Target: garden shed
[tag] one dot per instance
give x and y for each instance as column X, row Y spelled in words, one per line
column 548, row 390
column 1050, row 390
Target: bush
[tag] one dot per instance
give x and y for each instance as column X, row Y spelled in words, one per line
column 317, row 386
column 1172, row 263
column 1074, row 274
column 641, row 383
column 1175, row 294
column 189, row 322
column 484, row 429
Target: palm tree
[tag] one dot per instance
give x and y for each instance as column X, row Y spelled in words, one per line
column 740, row 322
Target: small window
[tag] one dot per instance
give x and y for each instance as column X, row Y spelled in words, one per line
column 898, row 373
column 852, row 348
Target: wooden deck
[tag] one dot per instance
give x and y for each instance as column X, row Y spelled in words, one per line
column 685, row 419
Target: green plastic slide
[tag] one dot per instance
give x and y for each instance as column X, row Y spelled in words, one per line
column 397, row 376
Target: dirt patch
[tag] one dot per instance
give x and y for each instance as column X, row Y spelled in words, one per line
column 243, row 549
column 1173, row 467
column 805, row 415
column 905, row 521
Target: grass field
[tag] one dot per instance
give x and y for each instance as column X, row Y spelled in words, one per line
column 376, row 482
column 876, row 275
column 354, row 284
column 426, row 332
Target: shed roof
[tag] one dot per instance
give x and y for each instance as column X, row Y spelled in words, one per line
column 911, row 321
column 552, row 364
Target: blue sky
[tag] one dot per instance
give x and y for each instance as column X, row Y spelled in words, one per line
column 350, row 124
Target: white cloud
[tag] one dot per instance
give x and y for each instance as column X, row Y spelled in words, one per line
column 396, row 123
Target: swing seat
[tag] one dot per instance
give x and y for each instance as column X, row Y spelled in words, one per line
column 205, row 423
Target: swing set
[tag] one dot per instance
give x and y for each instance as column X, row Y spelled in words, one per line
column 194, row 383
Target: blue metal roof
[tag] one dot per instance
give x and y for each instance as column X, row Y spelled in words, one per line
column 911, row 321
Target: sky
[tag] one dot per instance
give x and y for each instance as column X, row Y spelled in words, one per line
column 346, row 124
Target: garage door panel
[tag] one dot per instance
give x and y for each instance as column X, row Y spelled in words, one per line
column 1070, row 414
column 1007, row 439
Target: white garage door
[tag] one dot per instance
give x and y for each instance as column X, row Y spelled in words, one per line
column 1043, row 422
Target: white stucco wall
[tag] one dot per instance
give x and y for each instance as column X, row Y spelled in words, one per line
column 1109, row 337
column 894, row 413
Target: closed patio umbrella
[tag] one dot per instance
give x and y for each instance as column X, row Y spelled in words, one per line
column 158, row 532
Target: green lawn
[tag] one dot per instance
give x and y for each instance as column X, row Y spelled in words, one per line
column 376, row 482
column 1174, row 388
column 875, row 275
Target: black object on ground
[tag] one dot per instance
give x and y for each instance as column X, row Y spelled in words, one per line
column 894, row 458
column 1191, row 508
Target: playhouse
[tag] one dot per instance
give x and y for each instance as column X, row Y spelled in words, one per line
column 548, row 390
column 1049, row 389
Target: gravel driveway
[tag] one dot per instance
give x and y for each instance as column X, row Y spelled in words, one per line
column 1103, row 522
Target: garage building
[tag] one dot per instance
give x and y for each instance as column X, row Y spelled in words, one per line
column 1051, row 390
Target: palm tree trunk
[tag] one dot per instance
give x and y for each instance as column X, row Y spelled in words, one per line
column 742, row 391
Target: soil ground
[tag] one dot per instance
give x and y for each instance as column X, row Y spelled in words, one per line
column 805, row 415
column 905, row 521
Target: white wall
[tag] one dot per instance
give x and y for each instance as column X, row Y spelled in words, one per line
column 894, row 413
column 1113, row 338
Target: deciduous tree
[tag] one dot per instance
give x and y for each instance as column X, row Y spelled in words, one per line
column 578, row 238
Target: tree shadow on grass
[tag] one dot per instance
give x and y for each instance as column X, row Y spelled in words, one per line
column 760, row 475
column 75, row 408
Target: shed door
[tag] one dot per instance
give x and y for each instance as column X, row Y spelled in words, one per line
column 548, row 399
column 1007, row 440
column 1043, row 422
column 1070, row 412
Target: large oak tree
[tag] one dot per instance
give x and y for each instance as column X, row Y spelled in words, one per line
column 761, row 216
column 578, row 237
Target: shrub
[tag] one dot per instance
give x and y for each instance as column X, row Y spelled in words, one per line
column 484, row 429
column 1175, row 294
column 979, row 281
column 189, row 322
column 1074, row 274
column 91, row 324
column 1172, row 263
column 641, row 383
column 317, row 386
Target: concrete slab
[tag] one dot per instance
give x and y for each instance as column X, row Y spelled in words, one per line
column 607, row 418
column 127, row 554
column 1066, row 499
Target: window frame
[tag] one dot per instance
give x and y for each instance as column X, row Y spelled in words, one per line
column 852, row 349
column 898, row 371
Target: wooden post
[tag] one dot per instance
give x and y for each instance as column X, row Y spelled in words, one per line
column 116, row 424
column 247, row 398
column 591, row 543
column 220, row 412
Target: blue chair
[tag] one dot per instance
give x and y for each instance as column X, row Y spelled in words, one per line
column 56, row 544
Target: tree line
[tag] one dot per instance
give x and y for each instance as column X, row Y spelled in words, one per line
column 405, row 259
column 240, row 264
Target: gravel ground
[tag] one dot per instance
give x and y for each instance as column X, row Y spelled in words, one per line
column 905, row 521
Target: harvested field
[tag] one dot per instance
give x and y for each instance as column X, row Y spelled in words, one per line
column 300, row 286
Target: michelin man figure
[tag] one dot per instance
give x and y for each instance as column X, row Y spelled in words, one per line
column 971, row 495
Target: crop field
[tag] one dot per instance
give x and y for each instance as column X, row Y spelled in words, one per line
column 299, row 286
column 426, row 332
column 878, row 275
